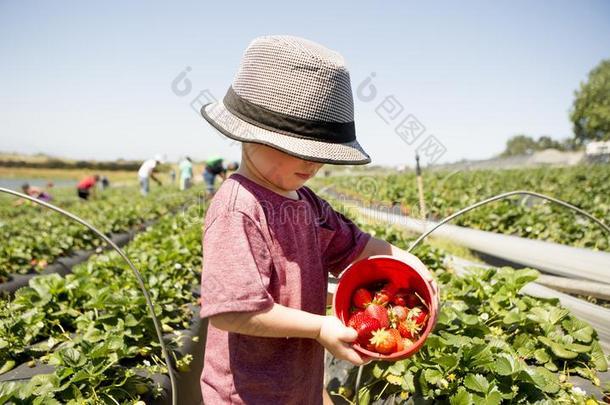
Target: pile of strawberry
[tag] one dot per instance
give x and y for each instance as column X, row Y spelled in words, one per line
column 387, row 319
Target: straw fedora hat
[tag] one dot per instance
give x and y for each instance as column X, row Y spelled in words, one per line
column 294, row 95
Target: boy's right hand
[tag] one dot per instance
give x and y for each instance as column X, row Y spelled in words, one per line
column 337, row 339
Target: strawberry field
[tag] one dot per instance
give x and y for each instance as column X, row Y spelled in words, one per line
column 587, row 187
column 85, row 336
column 33, row 237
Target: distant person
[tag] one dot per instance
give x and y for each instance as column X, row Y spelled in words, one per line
column 86, row 187
column 214, row 167
column 172, row 175
column 147, row 172
column 34, row 192
column 104, row 183
column 186, row 173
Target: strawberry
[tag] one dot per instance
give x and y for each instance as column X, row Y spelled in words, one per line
column 361, row 298
column 385, row 295
column 412, row 300
column 408, row 329
column 399, row 313
column 383, row 341
column 356, row 311
column 364, row 324
column 399, row 298
column 399, row 343
column 380, row 313
column 418, row 315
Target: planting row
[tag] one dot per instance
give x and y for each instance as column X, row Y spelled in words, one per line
column 32, row 241
column 92, row 326
column 587, row 187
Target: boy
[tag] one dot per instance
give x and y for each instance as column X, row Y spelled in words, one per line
column 269, row 242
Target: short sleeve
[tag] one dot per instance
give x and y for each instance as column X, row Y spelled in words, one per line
column 345, row 240
column 237, row 266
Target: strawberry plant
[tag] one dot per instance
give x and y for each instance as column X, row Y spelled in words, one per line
column 31, row 242
column 587, row 187
column 491, row 344
column 93, row 327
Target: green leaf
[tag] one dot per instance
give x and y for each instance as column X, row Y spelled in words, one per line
column 599, row 358
column 558, row 349
column 398, row 367
column 505, row 364
column 513, row 316
column 542, row 356
column 377, row 370
column 7, row 366
column 462, row 397
column 557, row 314
column 575, row 347
column 433, row 376
column 476, row 382
column 578, row 329
column 493, row 398
column 544, row 379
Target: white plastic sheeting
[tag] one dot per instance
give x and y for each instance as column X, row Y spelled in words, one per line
column 545, row 256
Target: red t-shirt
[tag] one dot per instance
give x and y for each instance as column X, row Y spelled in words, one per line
column 259, row 248
column 86, row 183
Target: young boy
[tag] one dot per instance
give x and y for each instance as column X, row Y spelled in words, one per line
column 269, row 242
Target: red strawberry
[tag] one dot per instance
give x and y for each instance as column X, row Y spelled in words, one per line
column 356, row 311
column 418, row 315
column 399, row 298
column 361, row 298
column 385, row 295
column 399, row 313
column 383, row 341
column 399, row 343
column 380, row 313
column 364, row 324
column 408, row 329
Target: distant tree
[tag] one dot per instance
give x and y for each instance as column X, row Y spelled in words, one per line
column 519, row 145
column 526, row 145
column 546, row 142
column 590, row 113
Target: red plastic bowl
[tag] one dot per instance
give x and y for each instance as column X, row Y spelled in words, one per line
column 385, row 268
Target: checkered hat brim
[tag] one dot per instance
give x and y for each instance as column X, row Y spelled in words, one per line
column 333, row 153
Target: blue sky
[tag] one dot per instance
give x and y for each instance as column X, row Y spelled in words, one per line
column 93, row 79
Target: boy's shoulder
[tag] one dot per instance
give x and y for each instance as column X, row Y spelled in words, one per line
column 233, row 197
column 239, row 195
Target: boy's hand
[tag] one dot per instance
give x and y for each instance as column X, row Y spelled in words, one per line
column 337, row 339
column 420, row 266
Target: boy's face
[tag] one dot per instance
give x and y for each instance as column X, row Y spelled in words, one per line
column 286, row 172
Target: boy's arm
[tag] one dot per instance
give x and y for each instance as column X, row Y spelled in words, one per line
column 279, row 321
